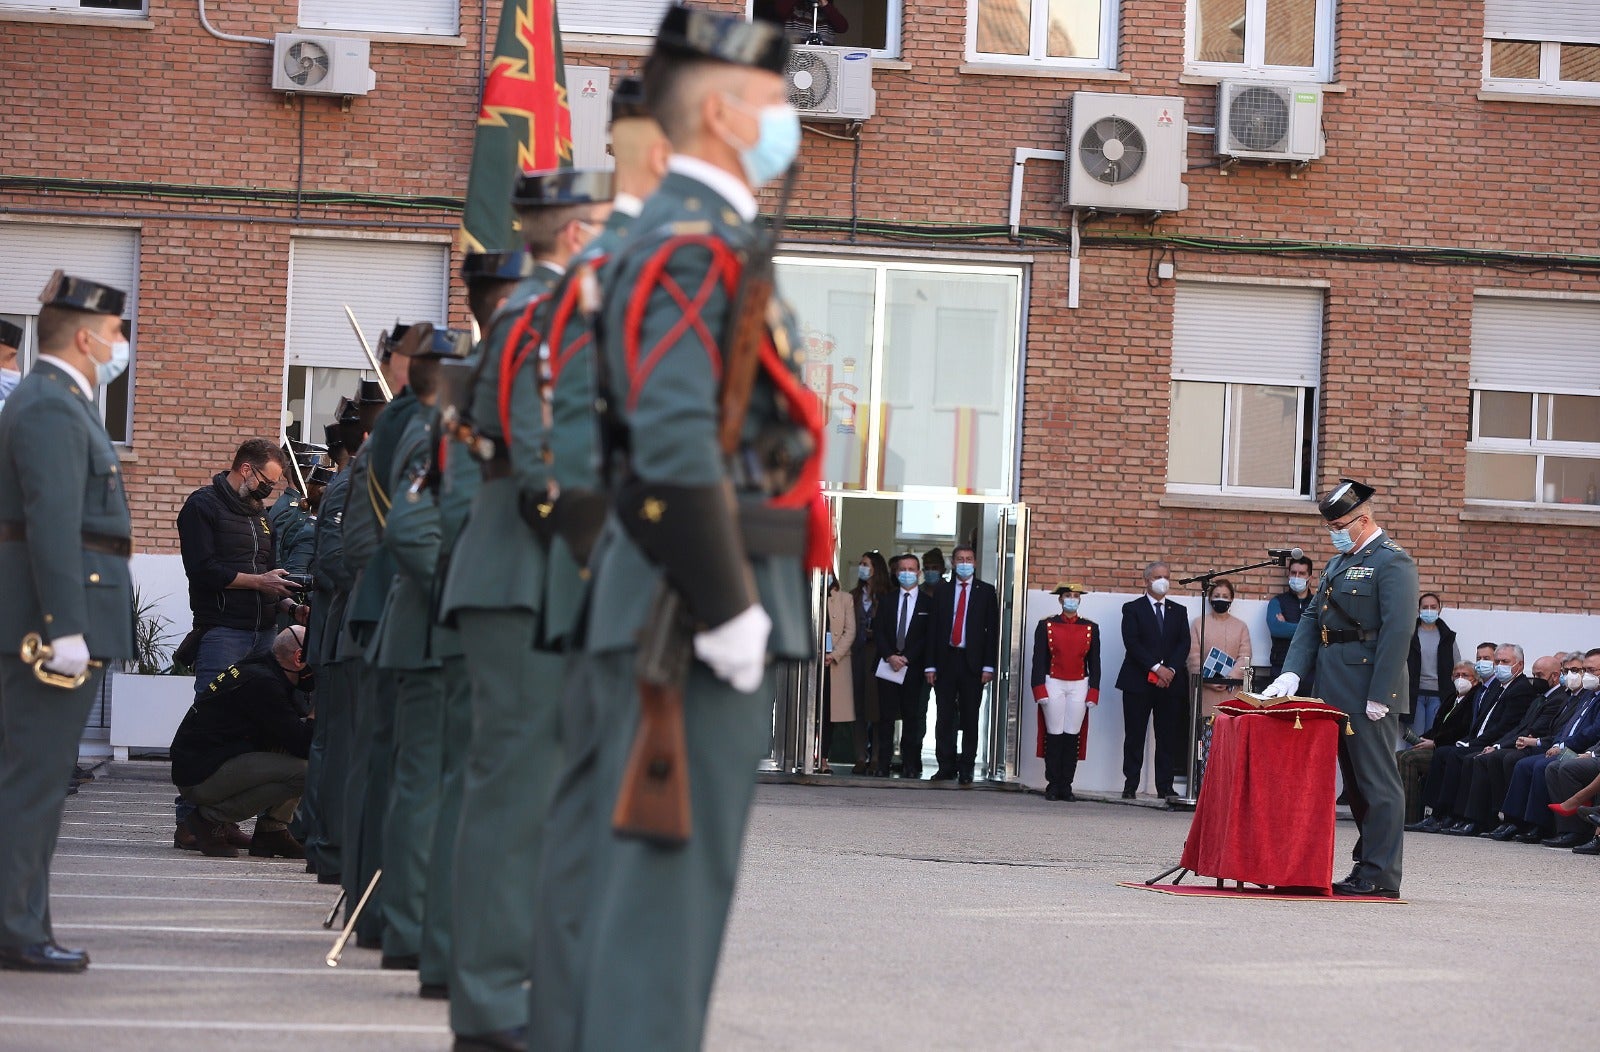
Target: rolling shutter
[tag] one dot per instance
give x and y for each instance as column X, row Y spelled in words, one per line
column 1549, row 346
column 612, row 17
column 427, row 17
column 1257, row 334
column 1568, row 21
column 30, row 252
column 381, row 281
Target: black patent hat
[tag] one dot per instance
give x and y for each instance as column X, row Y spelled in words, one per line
column 370, row 393
column 1346, row 497
column 10, row 335
column 320, row 475
column 562, row 186
column 692, row 33
column 627, row 100
column 388, row 340
column 425, row 340
column 331, row 433
column 63, row 290
column 496, row 266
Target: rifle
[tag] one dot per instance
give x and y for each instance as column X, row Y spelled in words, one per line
column 653, row 800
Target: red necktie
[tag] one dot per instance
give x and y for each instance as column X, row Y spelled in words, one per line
column 961, row 617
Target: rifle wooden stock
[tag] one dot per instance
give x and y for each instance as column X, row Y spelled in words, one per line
column 747, row 326
column 653, row 801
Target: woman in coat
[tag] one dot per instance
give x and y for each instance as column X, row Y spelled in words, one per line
column 838, row 702
column 873, row 585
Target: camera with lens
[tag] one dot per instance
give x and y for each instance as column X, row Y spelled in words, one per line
column 300, row 582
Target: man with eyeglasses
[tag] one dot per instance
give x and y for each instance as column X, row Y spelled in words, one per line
column 1356, row 637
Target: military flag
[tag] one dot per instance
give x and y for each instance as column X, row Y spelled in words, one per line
column 524, row 124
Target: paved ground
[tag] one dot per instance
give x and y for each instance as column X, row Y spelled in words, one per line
column 867, row 918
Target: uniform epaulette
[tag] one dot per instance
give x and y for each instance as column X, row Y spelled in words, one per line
column 1393, row 547
column 689, row 228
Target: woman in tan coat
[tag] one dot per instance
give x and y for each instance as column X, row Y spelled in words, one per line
column 838, row 704
column 1226, row 634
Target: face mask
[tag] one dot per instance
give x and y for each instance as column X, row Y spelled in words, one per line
column 777, row 142
column 931, row 576
column 1590, row 681
column 863, row 572
column 907, row 578
column 1483, row 667
column 1341, row 540
column 1069, row 603
column 1221, row 605
column 1572, row 680
column 1429, row 616
column 1502, row 673
column 964, row 570
column 9, row 379
column 1463, row 685
column 1299, row 584
column 105, row 372
column 261, row 491
column 1160, row 585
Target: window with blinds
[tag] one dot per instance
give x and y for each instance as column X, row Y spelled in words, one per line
column 1246, row 363
column 1540, row 48
column 613, row 17
column 418, row 17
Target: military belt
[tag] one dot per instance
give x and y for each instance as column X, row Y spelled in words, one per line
column 1347, row 635
column 94, row 542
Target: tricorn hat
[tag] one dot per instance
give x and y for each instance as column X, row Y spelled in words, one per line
column 562, row 186
column 320, row 475
column 426, row 340
column 370, row 393
column 10, row 335
column 627, row 100
column 1069, row 588
column 1346, row 497
column 331, row 433
column 63, row 290
column 693, row 33
column 387, row 340
column 496, row 266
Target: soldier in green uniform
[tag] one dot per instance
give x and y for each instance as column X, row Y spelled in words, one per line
column 574, row 831
column 402, row 649
column 493, row 592
column 683, row 515
column 1356, row 637
column 65, row 540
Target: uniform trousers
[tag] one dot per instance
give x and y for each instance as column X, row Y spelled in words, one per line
column 1564, row 777
column 959, row 691
column 1065, row 704
column 412, row 809
column 659, row 913
column 328, row 766
column 455, row 734
column 1377, row 803
column 371, row 759
column 39, row 730
column 510, row 773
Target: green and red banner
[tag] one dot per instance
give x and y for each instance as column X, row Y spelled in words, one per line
column 524, row 124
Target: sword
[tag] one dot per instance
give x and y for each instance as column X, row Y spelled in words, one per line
column 388, row 395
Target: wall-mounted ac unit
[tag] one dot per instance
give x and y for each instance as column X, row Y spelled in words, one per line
column 1127, row 153
column 830, row 83
column 321, row 65
column 1262, row 121
column 589, row 101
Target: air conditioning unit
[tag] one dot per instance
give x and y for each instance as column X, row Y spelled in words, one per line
column 589, row 102
column 1262, row 121
column 1127, row 153
column 830, row 83
column 313, row 65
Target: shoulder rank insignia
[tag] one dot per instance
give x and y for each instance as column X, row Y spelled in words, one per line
column 1358, row 573
column 1393, row 547
column 690, row 228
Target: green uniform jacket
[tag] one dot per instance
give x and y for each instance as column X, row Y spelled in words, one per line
column 327, row 566
column 365, row 513
column 458, row 488
column 59, row 479
column 287, row 518
column 411, row 541
column 499, row 564
column 670, row 407
column 1373, row 588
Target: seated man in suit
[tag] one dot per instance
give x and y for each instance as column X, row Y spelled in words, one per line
column 964, row 649
column 1526, row 805
column 1453, row 724
column 1499, row 709
column 900, row 639
column 1489, row 772
column 1154, row 682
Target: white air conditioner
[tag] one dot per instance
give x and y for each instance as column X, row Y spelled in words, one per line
column 1262, row 121
column 589, row 102
column 1127, row 153
column 313, row 65
column 830, row 83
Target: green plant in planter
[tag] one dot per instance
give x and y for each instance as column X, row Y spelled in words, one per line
column 152, row 647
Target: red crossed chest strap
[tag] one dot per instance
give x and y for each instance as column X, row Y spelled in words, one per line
column 512, row 359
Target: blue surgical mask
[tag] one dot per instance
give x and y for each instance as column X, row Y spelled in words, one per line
column 1299, row 584
column 1429, row 616
column 907, row 578
column 1502, row 673
column 931, row 576
column 105, row 372
column 1341, row 540
column 863, row 573
column 964, row 570
column 9, row 379
column 1483, row 667
column 1069, row 604
column 777, row 142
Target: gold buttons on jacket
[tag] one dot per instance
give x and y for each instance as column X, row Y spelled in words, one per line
column 94, row 578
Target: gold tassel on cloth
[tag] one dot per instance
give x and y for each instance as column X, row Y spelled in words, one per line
column 1297, row 722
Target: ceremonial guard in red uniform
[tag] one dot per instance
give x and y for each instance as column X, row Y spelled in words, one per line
column 1066, row 681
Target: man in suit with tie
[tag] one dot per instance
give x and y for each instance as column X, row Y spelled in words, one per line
column 1153, row 681
column 900, row 634
column 65, row 539
column 1500, row 710
column 963, row 653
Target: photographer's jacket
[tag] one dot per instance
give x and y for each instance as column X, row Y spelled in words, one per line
column 249, row 707
column 223, row 535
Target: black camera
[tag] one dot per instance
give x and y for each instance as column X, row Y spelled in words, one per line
column 300, row 582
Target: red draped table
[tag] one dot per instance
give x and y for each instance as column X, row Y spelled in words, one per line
column 1266, row 809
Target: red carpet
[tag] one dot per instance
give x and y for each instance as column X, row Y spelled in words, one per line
column 1209, row 890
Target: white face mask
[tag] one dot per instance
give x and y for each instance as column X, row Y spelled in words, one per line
column 1299, row 584
column 1160, row 585
column 1463, row 685
column 106, row 372
column 9, row 379
column 1590, row 681
column 1572, row 680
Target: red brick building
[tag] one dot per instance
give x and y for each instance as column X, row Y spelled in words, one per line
column 1417, row 304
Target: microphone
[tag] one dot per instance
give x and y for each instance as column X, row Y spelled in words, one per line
column 1284, row 555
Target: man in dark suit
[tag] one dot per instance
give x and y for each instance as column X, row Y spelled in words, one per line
column 1488, row 774
column 900, row 638
column 1499, row 712
column 963, row 652
column 1153, row 681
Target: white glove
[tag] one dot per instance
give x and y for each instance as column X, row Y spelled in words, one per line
column 71, row 655
column 1376, row 710
column 736, row 650
column 1282, row 687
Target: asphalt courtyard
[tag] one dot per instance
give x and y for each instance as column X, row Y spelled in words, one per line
column 866, row 918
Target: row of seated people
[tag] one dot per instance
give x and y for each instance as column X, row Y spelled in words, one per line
column 1515, row 756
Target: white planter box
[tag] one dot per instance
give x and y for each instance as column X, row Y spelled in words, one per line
column 146, row 710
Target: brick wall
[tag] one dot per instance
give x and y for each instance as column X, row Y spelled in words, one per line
column 1414, row 157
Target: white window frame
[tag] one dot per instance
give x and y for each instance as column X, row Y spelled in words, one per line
column 74, row 8
column 1532, row 446
column 572, row 26
column 1254, row 66
column 1039, row 23
column 355, row 24
column 1549, row 83
column 891, row 33
column 1298, row 491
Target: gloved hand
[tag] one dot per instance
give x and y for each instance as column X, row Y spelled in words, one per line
column 1376, row 710
column 736, row 650
column 71, row 655
column 1282, row 687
